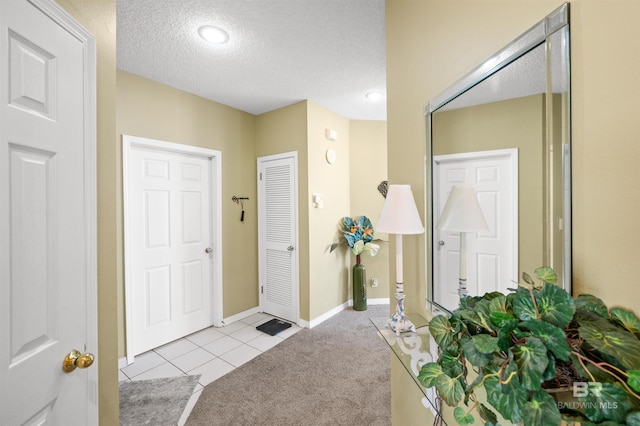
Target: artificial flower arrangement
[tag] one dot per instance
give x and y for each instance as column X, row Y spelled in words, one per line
column 358, row 234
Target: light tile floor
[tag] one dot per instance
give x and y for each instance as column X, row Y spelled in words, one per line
column 212, row 353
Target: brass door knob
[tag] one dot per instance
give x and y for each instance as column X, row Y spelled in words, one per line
column 76, row 360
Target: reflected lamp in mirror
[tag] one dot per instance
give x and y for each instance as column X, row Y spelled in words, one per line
column 400, row 217
column 462, row 213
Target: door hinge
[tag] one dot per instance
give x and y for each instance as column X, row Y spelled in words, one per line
column 261, row 289
column 260, row 175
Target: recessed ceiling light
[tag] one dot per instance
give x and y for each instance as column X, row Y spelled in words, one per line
column 213, row 34
column 373, row 96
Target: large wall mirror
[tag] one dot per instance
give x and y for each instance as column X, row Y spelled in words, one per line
column 501, row 135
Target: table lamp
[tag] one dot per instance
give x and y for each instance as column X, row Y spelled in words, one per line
column 462, row 213
column 400, row 217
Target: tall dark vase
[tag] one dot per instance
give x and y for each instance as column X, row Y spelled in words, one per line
column 359, row 286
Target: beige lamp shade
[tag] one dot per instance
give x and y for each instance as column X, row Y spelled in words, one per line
column 462, row 211
column 399, row 213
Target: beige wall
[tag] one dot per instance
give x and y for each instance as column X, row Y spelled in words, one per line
column 327, row 285
column 277, row 132
column 432, row 43
column 324, row 276
column 368, row 164
column 151, row 110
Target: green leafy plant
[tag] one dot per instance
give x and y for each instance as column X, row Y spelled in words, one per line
column 526, row 347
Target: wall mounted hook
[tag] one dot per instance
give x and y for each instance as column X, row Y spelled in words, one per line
column 237, row 199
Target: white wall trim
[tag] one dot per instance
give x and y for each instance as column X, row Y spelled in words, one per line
column 304, row 323
column 240, row 316
column 71, row 25
column 322, row 318
column 129, row 142
column 379, row 301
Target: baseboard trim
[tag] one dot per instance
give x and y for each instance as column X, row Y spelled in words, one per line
column 322, row 318
column 379, row 301
column 240, row 316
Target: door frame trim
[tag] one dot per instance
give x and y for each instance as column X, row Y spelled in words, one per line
column 71, row 25
column 262, row 235
column 130, row 142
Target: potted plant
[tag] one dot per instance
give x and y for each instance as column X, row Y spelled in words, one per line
column 523, row 344
column 358, row 234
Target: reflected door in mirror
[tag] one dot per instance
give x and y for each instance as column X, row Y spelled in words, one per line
column 491, row 256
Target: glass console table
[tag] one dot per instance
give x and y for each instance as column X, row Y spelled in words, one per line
column 413, row 350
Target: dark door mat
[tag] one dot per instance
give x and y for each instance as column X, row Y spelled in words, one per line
column 273, row 326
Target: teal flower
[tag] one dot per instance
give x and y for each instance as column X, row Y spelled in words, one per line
column 358, row 234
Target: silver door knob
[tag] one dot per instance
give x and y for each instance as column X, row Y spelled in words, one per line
column 208, row 250
column 290, row 248
column 440, row 243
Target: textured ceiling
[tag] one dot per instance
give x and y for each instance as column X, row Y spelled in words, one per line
column 331, row 52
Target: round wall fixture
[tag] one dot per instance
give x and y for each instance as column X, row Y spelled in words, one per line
column 331, row 156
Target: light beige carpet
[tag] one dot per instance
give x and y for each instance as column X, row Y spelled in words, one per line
column 337, row 373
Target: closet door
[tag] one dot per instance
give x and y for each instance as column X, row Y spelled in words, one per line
column 278, row 235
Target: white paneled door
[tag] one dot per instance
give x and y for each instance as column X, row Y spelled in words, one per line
column 278, row 235
column 47, row 217
column 170, row 243
column 492, row 257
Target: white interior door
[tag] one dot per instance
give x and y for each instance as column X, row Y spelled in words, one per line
column 492, row 257
column 47, row 216
column 169, row 243
column 278, row 235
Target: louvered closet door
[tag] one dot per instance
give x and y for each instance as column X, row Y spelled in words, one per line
column 278, row 239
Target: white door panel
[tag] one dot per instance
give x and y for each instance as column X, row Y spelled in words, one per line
column 47, row 216
column 491, row 256
column 169, row 221
column 277, row 219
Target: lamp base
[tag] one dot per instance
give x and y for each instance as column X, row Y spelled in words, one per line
column 399, row 321
column 400, row 324
column 462, row 288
